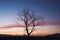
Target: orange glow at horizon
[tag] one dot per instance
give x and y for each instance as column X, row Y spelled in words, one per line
column 41, row 31
column 38, row 33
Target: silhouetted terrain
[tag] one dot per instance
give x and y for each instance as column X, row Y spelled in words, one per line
column 48, row 37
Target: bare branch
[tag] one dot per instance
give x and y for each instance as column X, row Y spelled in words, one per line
column 29, row 19
column 32, row 28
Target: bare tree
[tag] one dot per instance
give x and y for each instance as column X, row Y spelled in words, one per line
column 30, row 19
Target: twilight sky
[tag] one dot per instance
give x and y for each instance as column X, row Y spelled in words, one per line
column 49, row 9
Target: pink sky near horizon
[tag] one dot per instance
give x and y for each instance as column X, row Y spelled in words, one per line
column 43, row 30
column 15, row 24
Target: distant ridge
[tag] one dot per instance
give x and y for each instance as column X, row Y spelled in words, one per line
column 54, row 35
column 48, row 37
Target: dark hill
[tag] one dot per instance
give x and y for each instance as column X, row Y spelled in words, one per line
column 48, row 37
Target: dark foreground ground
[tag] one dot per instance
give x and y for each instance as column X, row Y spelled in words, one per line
column 48, row 37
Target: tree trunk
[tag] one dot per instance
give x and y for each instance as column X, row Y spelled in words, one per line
column 28, row 36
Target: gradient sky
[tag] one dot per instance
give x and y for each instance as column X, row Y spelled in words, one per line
column 49, row 9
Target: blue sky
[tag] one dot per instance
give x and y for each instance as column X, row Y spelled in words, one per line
column 50, row 9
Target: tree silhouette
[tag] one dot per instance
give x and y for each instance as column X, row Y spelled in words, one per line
column 30, row 19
